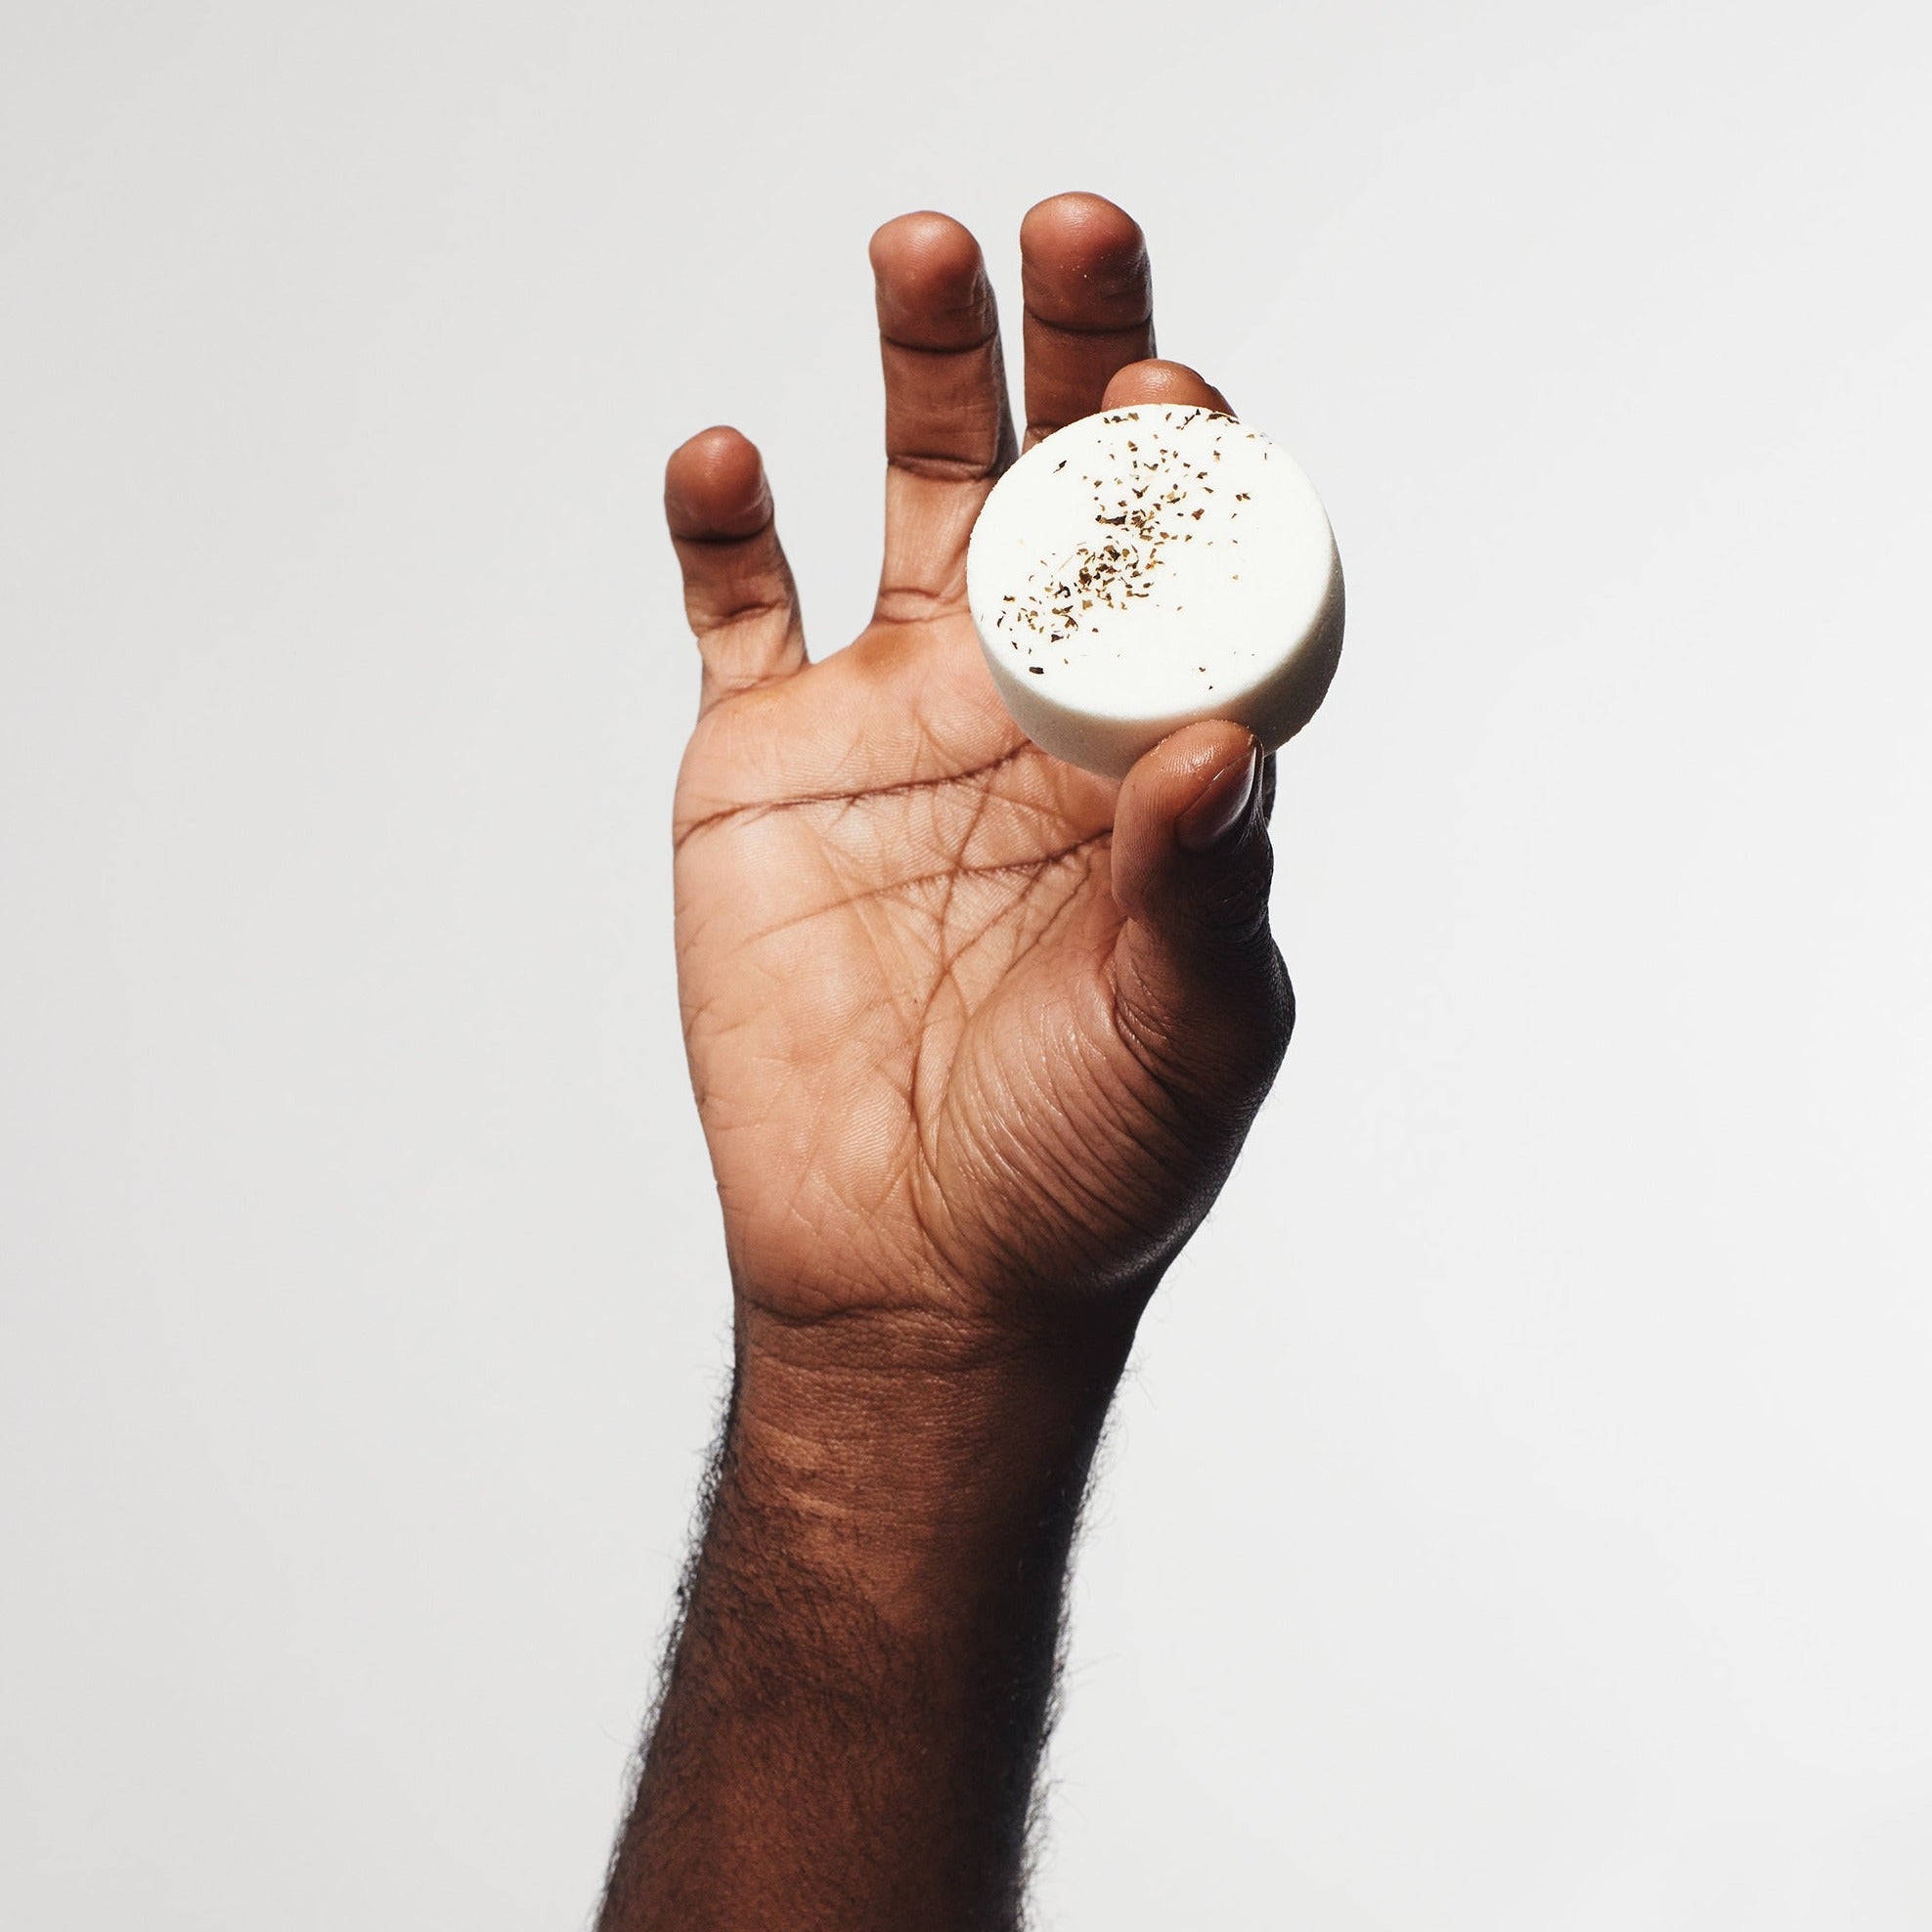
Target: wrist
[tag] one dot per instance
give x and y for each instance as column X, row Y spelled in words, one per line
column 914, row 1458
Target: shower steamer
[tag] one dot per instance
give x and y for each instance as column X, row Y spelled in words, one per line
column 1147, row 567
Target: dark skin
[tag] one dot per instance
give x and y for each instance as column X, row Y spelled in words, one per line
column 974, row 1037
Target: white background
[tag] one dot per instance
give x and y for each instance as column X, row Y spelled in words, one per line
column 1520, row 1516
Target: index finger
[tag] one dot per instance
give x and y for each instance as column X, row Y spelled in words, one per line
column 1159, row 383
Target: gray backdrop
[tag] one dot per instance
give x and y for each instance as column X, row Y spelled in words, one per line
column 1520, row 1516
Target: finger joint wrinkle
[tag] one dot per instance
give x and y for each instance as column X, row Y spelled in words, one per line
column 722, row 540
column 933, row 468
column 1138, row 326
column 975, row 346
column 748, row 612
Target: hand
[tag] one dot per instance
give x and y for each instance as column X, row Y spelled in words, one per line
column 974, row 1035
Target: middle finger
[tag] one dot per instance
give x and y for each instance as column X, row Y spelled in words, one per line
column 1089, row 305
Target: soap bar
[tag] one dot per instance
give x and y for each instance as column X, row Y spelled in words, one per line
column 1150, row 566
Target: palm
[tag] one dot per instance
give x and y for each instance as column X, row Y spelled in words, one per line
column 898, row 939
column 887, row 893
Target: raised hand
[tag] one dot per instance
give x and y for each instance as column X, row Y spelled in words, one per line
column 975, row 1035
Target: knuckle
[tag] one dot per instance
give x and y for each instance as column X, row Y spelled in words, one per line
column 1232, row 907
column 1215, row 1050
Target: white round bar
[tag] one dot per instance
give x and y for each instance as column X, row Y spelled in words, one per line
column 1147, row 567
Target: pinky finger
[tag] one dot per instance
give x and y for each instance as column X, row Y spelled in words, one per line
column 738, row 589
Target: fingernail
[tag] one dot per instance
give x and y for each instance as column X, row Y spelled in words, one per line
column 1218, row 812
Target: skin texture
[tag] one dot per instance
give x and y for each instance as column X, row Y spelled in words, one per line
column 974, row 1037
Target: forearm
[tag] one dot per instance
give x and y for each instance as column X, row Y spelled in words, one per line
column 861, row 1685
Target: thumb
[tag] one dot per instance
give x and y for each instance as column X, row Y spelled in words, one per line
column 1200, row 994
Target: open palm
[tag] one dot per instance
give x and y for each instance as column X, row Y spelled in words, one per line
column 972, row 1031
